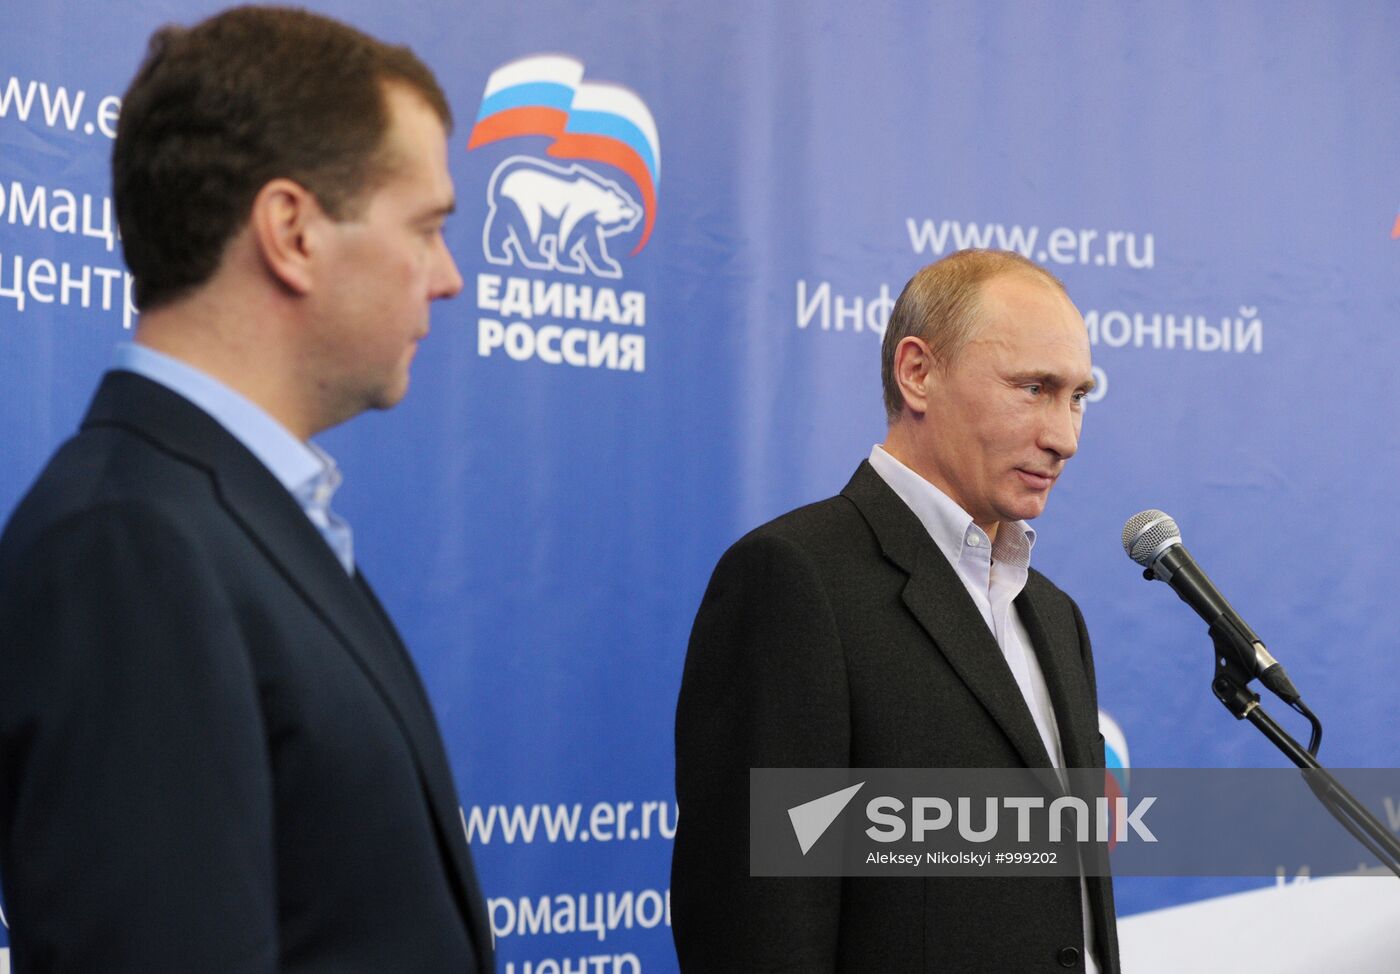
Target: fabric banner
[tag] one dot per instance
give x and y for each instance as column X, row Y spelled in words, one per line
column 682, row 227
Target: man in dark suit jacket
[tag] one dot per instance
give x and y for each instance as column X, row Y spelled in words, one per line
column 215, row 752
column 899, row 625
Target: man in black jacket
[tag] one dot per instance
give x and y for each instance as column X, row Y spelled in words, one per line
column 215, row 752
column 899, row 625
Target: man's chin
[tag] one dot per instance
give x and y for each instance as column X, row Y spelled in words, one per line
column 1025, row 509
column 389, row 396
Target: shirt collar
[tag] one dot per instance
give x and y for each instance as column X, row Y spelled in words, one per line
column 304, row 469
column 949, row 526
column 318, row 489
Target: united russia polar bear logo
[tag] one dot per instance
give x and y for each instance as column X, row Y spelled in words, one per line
column 555, row 217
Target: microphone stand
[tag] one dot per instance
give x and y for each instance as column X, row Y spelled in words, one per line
column 1231, row 688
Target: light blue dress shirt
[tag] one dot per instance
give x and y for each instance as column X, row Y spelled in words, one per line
column 307, row 471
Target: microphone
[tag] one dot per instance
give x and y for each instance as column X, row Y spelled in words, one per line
column 1153, row 540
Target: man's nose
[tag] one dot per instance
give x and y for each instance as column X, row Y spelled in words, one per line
column 1060, row 434
column 449, row 278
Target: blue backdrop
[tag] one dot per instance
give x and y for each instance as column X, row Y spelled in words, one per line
column 681, row 232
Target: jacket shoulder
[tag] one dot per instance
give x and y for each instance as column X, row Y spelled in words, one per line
column 100, row 471
column 817, row 529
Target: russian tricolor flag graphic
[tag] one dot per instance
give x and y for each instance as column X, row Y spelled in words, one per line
column 545, row 94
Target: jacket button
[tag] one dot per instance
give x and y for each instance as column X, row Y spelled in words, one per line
column 1068, row 956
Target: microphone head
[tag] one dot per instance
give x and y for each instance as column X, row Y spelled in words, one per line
column 1148, row 534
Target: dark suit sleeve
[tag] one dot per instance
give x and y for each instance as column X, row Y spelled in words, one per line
column 135, row 791
column 764, row 686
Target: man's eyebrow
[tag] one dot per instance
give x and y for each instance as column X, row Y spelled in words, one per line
column 442, row 210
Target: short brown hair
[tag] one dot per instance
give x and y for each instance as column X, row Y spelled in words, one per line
column 219, row 109
column 939, row 305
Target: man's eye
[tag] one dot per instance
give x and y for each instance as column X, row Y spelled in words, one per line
column 1080, row 398
column 1034, row 388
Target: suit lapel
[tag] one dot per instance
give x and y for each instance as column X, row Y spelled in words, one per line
column 443, row 796
column 939, row 601
column 1063, row 667
column 280, row 529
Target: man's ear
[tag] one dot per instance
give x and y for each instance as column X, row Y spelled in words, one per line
column 915, row 372
column 284, row 222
